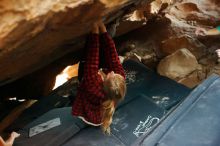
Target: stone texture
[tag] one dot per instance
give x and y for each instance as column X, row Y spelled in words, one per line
column 34, row 33
column 195, row 78
column 175, row 43
column 150, row 60
column 178, row 65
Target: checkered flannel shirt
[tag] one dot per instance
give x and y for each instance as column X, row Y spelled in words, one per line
column 90, row 95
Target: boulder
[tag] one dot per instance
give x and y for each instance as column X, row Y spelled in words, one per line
column 195, row 78
column 178, row 65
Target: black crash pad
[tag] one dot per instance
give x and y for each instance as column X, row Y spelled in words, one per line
column 195, row 122
column 54, row 136
column 39, row 108
column 130, row 121
column 135, row 119
column 140, row 80
column 93, row 136
column 163, row 91
column 149, row 97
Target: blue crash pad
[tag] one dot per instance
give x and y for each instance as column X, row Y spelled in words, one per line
column 195, row 122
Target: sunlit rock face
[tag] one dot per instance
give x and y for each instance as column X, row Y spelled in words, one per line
column 184, row 16
column 178, row 65
column 191, row 13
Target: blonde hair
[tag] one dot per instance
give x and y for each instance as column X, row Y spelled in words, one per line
column 115, row 89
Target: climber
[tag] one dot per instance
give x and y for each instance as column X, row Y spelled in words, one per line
column 102, row 80
column 10, row 140
column 209, row 32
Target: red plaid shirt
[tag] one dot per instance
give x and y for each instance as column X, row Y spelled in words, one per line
column 90, row 95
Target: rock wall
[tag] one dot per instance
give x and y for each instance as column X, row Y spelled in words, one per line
column 34, row 33
column 171, row 26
